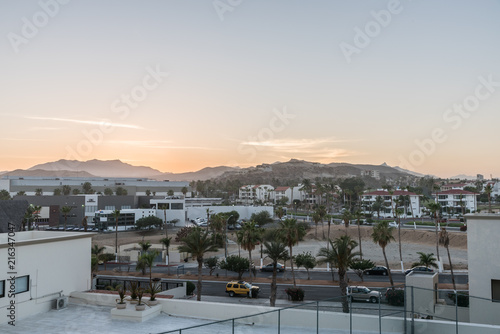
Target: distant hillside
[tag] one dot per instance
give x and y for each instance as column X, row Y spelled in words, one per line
column 203, row 174
column 102, row 168
column 295, row 171
column 47, row 173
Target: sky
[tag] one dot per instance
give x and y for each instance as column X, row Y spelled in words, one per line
column 180, row 85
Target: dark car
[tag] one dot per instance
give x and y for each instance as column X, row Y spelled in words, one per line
column 419, row 269
column 269, row 267
column 380, row 270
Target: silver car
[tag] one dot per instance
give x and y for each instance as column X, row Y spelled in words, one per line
column 363, row 293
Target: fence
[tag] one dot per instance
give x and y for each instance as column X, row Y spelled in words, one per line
column 102, row 282
column 400, row 314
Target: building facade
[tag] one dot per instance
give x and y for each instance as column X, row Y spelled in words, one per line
column 456, row 202
column 407, row 201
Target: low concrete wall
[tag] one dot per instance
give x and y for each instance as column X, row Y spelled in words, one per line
column 448, row 312
column 294, row 317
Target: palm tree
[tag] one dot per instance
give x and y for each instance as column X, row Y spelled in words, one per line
column 290, row 233
column 426, row 259
column 164, row 207
column 399, row 212
column 198, row 242
column 487, row 190
column 342, row 249
column 147, row 260
column 97, row 251
column 248, row 238
column 275, row 250
column 306, row 188
column 444, row 240
column 382, row 235
column 66, row 190
column 38, row 192
column 166, row 242
column 316, row 219
column 329, row 257
column 280, row 212
column 346, row 218
column 65, row 211
column 145, row 246
column 322, row 212
column 434, row 209
column 358, row 215
column 116, row 215
column 184, row 191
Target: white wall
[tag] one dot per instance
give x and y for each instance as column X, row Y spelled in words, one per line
column 58, row 265
column 482, row 247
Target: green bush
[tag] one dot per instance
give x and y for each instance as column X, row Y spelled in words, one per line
column 295, row 294
column 190, row 287
column 462, row 299
column 396, row 297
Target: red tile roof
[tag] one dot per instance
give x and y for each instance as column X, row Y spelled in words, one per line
column 386, row 193
column 281, row 188
column 455, row 192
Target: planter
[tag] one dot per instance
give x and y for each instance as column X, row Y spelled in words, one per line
column 121, row 306
column 153, row 302
column 140, row 307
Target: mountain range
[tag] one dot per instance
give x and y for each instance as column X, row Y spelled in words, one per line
column 283, row 171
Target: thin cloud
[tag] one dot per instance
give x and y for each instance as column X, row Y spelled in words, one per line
column 56, row 119
column 161, row 144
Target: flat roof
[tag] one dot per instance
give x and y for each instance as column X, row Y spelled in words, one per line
column 37, row 237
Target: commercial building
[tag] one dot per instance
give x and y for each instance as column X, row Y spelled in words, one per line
column 407, row 201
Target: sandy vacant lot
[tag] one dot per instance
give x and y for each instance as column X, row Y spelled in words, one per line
column 412, row 241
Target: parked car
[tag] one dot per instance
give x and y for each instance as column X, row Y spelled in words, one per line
column 363, row 293
column 393, row 224
column 379, row 270
column 419, row 269
column 269, row 267
column 234, row 227
column 242, row 288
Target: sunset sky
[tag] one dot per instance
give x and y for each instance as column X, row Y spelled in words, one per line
column 180, row 85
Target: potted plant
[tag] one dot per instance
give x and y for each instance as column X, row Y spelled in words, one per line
column 120, row 303
column 133, row 292
column 153, row 290
column 140, row 305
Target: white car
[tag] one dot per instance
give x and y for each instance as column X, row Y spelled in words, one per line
column 393, row 224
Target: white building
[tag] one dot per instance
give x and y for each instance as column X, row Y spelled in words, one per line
column 484, row 272
column 46, row 267
column 133, row 186
column 261, row 192
column 372, row 173
column 456, row 201
column 282, row 192
column 411, row 205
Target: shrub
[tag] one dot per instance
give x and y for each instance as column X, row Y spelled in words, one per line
column 396, row 297
column 183, row 232
column 190, row 287
column 295, row 294
column 463, row 228
column 462, row 299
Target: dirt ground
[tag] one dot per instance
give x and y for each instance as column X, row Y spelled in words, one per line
column 412, row 241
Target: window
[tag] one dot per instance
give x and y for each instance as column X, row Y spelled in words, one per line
column 22, row 284
column 109, row 207
column 495, row 290
column 177, row 206
column 2, row 289
column 126, row 207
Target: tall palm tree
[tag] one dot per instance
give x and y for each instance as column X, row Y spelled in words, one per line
column 65, row 211
column 316, row 219
column 322, row 212
column 290, row 233
column 346, row 218
column 399, row 212
column 164, row 207
column 198, row 242
column 382, row 235
column 444, row 240
column 328, row 256
column 248, row 238
column 434, row 209
column 147, row 260
column 166, row 243
column 358, row 215
column 343, row 250
column 306, row 188
column 116, row 216
column 275, row 250
column 487, row 190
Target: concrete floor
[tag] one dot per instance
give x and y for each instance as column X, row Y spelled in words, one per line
column 97, row 319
